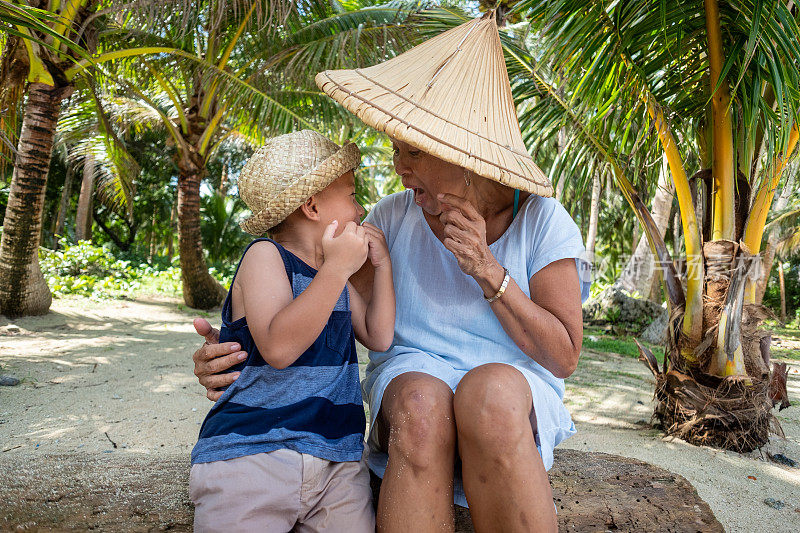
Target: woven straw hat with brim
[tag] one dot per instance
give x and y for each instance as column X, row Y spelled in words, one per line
column 449, row 97
column 286, row 172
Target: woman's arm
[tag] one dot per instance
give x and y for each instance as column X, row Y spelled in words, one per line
column 548, row 326
column 212, row 358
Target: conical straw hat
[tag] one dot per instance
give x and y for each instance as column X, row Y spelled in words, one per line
column 449, row 97
column 286, row 172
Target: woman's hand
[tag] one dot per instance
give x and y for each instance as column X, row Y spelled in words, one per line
column 465, row 236
column 213, row 358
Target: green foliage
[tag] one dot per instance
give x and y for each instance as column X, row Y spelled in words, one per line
column 790, row 331
column 791, row 277
column 223, row 239
column 622, row 346
column 84, row 269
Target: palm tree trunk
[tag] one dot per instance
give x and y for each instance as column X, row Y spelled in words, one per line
column 63, row 206
column 783, row 292
column 200, row 290
column 779, row 205
column 151, row 237
column 83, row 217
column 766, row 267
column 23, row 290
column 170, row 234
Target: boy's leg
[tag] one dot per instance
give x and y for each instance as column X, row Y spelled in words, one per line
column 336, row 497
column 252, row 493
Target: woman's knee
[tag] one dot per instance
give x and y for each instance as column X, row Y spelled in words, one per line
column 493, row 407
column 418, row 409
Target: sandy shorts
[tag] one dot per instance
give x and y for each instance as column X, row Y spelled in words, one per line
column 281, row 491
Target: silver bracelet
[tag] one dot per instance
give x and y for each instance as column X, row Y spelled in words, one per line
column 503, row 286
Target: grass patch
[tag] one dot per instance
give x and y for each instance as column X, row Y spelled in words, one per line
column 621, row 346
column 621, row 374
column 785, row 353
column 782, row 331
column 593, row 330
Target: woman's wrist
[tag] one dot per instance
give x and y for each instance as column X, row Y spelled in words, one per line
column 490, row 279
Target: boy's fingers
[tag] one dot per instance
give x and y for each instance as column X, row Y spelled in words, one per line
column 373, row 230
column 330, row 230
column 371, row 227
column 213, row 395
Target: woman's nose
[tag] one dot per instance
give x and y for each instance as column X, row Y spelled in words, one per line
column 400, row 166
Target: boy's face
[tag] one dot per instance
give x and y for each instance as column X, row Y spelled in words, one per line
column 338, row 202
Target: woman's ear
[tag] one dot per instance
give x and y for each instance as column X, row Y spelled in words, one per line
column 311, row 209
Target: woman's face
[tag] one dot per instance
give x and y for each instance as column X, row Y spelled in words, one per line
column 427, row 176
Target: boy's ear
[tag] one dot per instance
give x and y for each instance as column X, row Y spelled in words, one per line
column 310, row 209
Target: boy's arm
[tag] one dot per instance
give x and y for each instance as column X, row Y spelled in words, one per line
column 283, row 328
column 373, row 306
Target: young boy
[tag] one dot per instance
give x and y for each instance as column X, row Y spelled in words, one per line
column 281, row 449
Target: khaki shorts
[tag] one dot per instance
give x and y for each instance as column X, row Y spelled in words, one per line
column 281, row 491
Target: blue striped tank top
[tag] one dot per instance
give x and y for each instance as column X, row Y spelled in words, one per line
column 312, row 406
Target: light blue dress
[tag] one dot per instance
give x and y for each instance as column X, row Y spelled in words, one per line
column 445, row 328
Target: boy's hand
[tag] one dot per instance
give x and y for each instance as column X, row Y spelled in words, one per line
column 378, row 249
column 348, row 251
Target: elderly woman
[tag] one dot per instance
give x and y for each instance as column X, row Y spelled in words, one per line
column 466, row 405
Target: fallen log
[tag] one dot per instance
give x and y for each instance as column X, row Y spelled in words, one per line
column 130, row 492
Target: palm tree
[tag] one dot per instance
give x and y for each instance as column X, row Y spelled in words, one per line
column 715, row 86
column 631, row 82
column 232, row 72
column 46, row 54
column 33, row 67
column 224, row 69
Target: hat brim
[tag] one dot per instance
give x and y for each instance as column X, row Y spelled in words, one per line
column 282, row 205
column 429, row 132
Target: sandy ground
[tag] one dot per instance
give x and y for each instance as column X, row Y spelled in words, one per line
column 115, row 377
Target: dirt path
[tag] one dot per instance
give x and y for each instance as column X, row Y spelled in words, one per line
column 114, row 377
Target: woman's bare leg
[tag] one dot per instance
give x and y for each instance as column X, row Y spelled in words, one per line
column 504, row 478
column 418, row 428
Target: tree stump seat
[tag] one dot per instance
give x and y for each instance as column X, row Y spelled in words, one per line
column 601, row 492
column 127, row 492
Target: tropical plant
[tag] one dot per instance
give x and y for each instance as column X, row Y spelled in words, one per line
column 216, row 71
column 710, row 88
column 241, row 70
column 47, row 53
column 714, row 88
column 36, row 57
